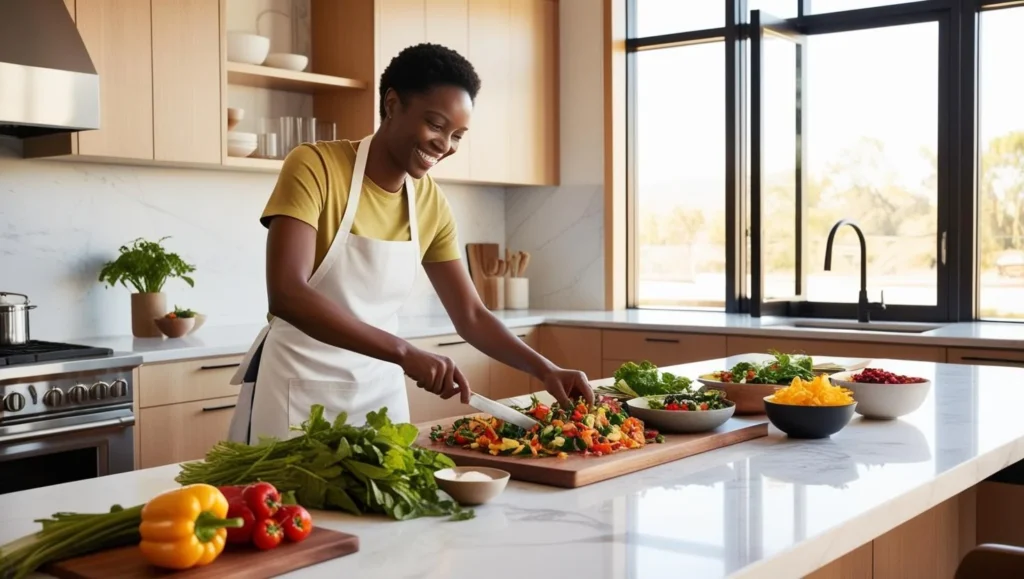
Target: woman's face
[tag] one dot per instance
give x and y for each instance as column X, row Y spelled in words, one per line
column 427, row 127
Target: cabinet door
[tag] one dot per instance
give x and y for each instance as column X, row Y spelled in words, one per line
column 533, row 92
column 399, row 24
column 117, row 36
column 181, row 432
column 448, row 25
column 507, row 381
column 738, row 345
column 475, row 366
column 187, row 107
column 571, row 348
column 986, row 357
column 660, row 348
column 489, row 51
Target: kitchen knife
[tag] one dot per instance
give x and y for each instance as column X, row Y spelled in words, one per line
column 500, row 411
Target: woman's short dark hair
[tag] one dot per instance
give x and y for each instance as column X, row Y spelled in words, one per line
column 419, row 68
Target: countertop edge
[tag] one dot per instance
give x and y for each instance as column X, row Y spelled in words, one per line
column 156, row 350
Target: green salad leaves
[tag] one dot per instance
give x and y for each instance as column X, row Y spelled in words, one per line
column 374, row 468
column 633, row 380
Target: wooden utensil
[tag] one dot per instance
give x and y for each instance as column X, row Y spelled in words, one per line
column 524, row 261
column 513, row 269
column 577, row 471
column 234, row 563
column 479, row 255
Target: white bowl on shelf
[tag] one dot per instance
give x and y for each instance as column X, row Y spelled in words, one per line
column 247, row 48
column 241, row 144
column 296, row 62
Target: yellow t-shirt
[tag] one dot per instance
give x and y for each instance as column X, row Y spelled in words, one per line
column 313, row 187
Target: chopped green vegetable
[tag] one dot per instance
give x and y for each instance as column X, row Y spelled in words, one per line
column 368, row 469
column 634, row 380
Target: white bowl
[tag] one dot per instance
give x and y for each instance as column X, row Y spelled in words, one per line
column 247, row 48
column 240, row 149
column 241, row 137
column 883, row 401
column 296, row 62
column 675, row 421
column 470, row 492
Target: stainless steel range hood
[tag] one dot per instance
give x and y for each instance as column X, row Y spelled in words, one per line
column 48, row 83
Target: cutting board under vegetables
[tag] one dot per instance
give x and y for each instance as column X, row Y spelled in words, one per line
column 235, row 562
column 577, row 471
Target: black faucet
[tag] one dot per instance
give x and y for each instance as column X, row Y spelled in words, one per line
column 864, row 307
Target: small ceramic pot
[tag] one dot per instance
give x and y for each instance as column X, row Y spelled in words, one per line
column 146, row 307
column 175, row 327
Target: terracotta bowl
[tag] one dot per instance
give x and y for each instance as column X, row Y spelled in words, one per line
column 176, row 327
column 749, row 398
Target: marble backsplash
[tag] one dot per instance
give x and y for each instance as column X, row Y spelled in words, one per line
column 61, row 220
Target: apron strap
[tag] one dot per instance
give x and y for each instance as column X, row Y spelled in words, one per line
column 355, row 188
column 414, row 223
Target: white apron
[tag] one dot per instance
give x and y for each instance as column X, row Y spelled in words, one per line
column 371, row 280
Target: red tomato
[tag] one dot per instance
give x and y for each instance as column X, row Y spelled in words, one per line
column 540, row 411
column 267, row 534
column 237, row 507
column 263, row 499
column 295, row 521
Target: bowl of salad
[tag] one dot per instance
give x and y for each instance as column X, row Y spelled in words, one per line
column 637, row 380
column 683, row 413
column 747, row 383
column 884, row 395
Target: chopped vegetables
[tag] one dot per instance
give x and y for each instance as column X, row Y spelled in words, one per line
column 817, row 392
column 690, row 401
column 358, row 469
column 185, row 527
column 602, row 429
column 634, row 380
column 781, row 370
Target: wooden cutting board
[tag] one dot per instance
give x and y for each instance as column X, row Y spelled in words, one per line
column 479, row 255
column 235, row 562
column 578, row 471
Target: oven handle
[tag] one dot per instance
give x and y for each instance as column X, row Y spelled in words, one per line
column 124, row 422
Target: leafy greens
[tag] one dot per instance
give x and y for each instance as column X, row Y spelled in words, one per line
column 633, row 380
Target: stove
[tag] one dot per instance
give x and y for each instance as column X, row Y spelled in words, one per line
column 66, row 413
column 39, row 351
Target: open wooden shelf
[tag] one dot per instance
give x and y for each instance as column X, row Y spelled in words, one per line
column 254, row 163
column 288, row 80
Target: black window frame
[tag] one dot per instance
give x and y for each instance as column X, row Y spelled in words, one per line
column 957, row 151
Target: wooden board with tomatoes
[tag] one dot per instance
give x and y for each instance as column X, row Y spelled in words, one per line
column 575, row 448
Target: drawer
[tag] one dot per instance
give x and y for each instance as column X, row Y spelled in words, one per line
column 507, row 382
column 750, row 345
column 986, row 357
column 187, row 380
column 181, row 432
column 661, row 348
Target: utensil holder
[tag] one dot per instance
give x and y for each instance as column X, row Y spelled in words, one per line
column 493, row 293
column 517, row 293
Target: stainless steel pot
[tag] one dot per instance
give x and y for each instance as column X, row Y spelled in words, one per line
column 14, row 319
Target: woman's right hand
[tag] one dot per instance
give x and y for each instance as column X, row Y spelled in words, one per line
column 436, row 374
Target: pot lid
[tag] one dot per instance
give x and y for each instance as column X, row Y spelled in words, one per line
column 9, row 303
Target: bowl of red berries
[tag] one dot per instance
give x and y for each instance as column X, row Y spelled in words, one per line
column 883, row 395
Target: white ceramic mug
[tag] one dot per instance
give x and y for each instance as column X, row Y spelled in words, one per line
column 517, row 293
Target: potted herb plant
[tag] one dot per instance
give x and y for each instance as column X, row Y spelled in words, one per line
column 146, row 266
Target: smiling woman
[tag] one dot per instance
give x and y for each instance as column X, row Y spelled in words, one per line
column 350, row 223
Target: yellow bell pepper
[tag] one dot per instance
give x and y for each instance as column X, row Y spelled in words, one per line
column 185, row 527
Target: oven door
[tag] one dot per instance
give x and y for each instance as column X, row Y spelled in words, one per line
column 66, row 449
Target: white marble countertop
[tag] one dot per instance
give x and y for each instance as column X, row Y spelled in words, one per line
column 232, row 340
column 769, row 508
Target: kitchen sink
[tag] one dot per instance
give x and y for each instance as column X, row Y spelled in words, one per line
column 896, row 327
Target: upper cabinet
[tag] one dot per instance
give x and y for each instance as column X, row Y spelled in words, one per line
column 166, row 82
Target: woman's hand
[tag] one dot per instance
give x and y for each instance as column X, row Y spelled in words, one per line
column 436, row 374
column 567, row 386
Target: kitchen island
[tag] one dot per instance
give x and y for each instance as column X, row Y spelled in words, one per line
column 882, row 499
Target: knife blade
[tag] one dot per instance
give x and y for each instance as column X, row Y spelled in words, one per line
column 500, row 411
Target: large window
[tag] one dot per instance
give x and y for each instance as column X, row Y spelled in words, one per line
column 1001, row 166
column 758, row 125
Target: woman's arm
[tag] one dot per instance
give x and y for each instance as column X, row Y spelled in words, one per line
column 474, row 322
column 291, row 247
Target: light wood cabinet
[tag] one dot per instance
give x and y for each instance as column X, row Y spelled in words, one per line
column 183, row 408
column 533, row 92
column 187, row 99
column 660, row 348
column 985, row 357
column 489, row 51
column 474, row 365
column 506, row 381
column 447, row 23
column 571, row 348
column 737, row 345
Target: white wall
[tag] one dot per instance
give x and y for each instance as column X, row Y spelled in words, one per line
column 563, row 227
column 60, row 221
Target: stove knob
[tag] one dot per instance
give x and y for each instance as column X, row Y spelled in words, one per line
column 53, row 398
column 14, row 402
column 78, row 393
column 99, row 390
column 118, row 388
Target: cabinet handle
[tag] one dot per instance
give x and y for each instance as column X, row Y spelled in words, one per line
column 220, row 366
column 443, row 344
column 663, row 340
column 1018, row 363
column 221, row 407
column 520, row 336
